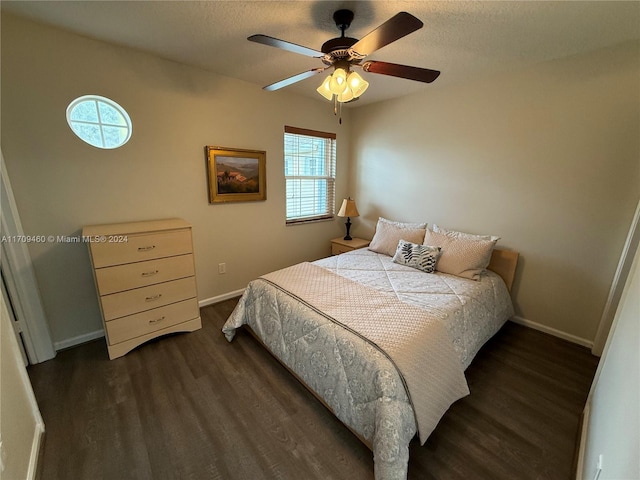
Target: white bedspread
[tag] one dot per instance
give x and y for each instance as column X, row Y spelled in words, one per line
column 416, row 343
column 473, row 311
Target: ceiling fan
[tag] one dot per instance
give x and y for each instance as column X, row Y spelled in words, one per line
column 343, row 53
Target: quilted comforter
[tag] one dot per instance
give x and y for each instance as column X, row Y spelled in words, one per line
column 354, row 376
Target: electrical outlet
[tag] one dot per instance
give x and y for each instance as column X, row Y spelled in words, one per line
column 222, row 268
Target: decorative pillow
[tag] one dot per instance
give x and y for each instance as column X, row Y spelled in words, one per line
column 468, row 236
column 389, row 233
column 460, row 256
column 422, row 257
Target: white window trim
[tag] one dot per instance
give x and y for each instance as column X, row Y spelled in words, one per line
column 331, row 180
column 100, row 123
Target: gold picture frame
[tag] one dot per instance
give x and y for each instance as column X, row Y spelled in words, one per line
column 236, row 175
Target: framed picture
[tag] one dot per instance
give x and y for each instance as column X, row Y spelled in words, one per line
column 236, row 175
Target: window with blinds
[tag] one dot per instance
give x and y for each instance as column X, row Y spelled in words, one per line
column 310, row 174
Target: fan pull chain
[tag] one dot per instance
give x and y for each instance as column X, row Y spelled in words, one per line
column 337, row 109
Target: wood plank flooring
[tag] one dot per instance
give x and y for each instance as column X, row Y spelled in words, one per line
column 193, row 406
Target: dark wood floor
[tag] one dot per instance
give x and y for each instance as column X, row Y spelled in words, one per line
column 193, row 406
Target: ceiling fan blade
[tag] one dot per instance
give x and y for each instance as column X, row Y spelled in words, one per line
column 288, row 46
column 402, row 71
column 393, row 29
column 291, row 80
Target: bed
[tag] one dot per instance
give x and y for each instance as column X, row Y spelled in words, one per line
column 382, row 344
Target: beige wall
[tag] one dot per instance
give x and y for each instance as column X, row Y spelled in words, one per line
column 547, row 158
column 61, row 184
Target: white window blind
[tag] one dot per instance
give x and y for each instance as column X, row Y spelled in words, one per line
column 310, row 174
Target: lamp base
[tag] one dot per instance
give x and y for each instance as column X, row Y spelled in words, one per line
column 348, row 224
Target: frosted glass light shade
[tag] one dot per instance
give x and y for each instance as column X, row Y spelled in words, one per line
column 345, row 96
column 338, row 83
column 357, row 84
column 324, row 89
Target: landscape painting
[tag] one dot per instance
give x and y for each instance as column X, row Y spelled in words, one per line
column 235, row 175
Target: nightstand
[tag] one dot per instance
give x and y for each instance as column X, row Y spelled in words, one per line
column 339, row 245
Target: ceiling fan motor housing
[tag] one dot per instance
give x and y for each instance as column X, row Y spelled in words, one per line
column 335, row 45
column 338, row 48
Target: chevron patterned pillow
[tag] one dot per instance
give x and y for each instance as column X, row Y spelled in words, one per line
column 422, row 257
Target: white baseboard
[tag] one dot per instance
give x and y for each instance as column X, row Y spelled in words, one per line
column 552, row 331
column 220, row 298
column 519, row 320
column 87, row 337
column 80, row 339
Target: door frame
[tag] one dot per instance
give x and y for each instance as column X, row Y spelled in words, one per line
column 619, row 281
column 12, row 318
column 21, row 280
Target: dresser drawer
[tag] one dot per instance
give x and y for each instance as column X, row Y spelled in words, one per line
column 126, row 328
column 140, row 299
column 141, row 247
column 140, row 274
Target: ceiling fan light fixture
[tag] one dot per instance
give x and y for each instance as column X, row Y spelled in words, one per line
column 324, row 89
column 344, row 53
column 357, row 84
column 344, row 85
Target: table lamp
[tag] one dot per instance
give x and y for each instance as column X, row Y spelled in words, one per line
column 348, row 209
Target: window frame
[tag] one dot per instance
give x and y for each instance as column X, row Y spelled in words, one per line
column 99, row 123
column 329, row 176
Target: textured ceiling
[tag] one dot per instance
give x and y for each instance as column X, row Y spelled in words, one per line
column 464, row 40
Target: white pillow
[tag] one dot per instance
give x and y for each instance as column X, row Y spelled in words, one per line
column 460, row 256
column 402, row 224
column 468, row 236
column 389, row 233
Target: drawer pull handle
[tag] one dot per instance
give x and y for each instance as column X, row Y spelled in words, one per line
column 150, row 274
column 157, row 320
column 147, row 248
column 153, row 297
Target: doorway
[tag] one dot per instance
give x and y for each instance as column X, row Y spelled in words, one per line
column 15, row 323
column 19, row 285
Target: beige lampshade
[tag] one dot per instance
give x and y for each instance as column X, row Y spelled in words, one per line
column 348, row 208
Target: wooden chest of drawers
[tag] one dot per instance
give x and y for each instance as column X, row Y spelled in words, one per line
column 145, row 277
